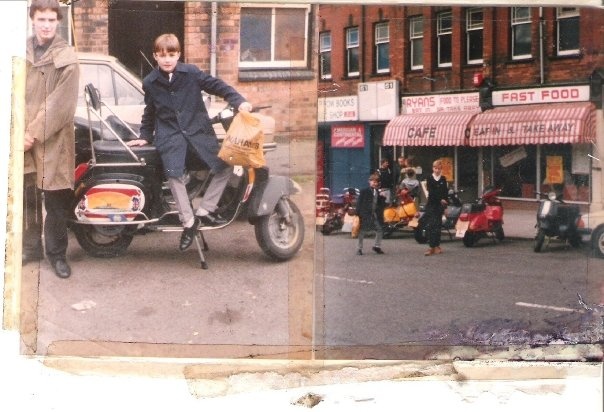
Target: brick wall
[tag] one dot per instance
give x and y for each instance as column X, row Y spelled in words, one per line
column 91, row 26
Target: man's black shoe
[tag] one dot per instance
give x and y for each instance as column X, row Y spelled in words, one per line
column 33, row 255
column 61, row 268
column 359, row 252
column 188, row 234
column 213, row 219
column 378, row 250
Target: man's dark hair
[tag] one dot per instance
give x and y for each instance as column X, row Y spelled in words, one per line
column 41, row 5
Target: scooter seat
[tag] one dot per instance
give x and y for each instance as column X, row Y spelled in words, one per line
column 112, row 151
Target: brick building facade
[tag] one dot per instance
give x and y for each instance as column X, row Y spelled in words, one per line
column 289, row 91
column 433, row 57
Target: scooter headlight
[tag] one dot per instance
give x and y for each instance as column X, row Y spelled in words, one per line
column 551, row 195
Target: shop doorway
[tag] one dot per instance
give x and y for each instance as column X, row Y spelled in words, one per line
column 467, row 172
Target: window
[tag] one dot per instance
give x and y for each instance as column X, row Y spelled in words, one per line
column 567, row 30
column 352, row 51
column 474, row 29
column 416, row 41
column 114, row 88
column 273, row 37
column 325, row 55
column 521, row 33
column 382, row 48
column 444, row 32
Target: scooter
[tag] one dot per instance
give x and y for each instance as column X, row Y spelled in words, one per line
column 449, row 219
column 331, row 212
column 120, row 192
column 556, row 220
column 400, row 213
column 483, row 217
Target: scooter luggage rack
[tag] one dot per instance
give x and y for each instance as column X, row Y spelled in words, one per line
column 94, row 105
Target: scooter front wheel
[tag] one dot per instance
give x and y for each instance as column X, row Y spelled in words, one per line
column 420, row 235
column 469, row 239
column 281, row 237
column 103, row 241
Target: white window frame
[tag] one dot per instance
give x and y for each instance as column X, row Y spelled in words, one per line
column 441, row 32
column 382, row 36
column 416, row 36
column 324, row 48
column 515, row 22
column 272, row 63
column 561, row 14
column 471, row 26
column 350, row 45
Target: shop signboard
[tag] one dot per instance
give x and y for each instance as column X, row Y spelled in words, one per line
column 559, row 94
column 338, row 109
column 347, row 136
column 378, row 100
column 440, row 103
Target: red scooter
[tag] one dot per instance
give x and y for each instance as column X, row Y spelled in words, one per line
column 331, row 212
column 483, row 217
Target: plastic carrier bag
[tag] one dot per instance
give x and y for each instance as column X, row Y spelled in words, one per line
column 244, row 141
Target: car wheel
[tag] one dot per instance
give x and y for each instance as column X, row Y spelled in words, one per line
column 597, row 239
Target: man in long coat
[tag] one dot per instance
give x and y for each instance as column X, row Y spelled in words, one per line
column 50, row 100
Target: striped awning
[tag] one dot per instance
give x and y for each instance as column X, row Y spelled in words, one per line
column 534, row 124
column 428, row 129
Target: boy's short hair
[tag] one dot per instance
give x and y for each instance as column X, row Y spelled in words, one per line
column 410, row 172
column 374, row 176
column 41, row 5
column 166, row 43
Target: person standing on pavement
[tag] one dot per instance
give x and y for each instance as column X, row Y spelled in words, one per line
column 370, row 209
column 386, row 179
column 175, row 119
column 435, row 206
column 52, row 78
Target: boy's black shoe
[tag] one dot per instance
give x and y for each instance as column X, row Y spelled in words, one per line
column 359, row 252
column 61, row 268
column 188, row 234
column 378, row 250
column 212, row 219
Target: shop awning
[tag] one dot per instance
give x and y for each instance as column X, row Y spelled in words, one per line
column 534, row 124
column 428, row 129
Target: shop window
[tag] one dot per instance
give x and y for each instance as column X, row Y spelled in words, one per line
column 416, row 41
column 274, row 37
column 382, row 48
column 521, row 33
column 444, row 33
column 565, row 170
column 514, row 170
column 352, row 51
column 474, row 35
column 325, row 55
column 567, row 20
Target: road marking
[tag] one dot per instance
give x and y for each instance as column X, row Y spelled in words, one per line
column 366, row 282
column 558, row 308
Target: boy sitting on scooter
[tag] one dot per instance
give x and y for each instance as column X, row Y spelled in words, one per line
column 175, row 119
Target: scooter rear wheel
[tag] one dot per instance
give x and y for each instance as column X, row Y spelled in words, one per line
column 277, row 238
column 469, row 239
column 103, row 241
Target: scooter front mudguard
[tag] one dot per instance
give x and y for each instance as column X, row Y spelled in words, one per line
column 266, row 194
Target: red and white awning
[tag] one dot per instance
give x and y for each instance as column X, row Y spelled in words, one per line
column 428, row 129
column 534, row 124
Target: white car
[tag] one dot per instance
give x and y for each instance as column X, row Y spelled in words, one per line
column 593, row 231
column 122, row 92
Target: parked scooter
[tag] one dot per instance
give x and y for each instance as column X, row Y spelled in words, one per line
column 449, row 219
column 556, row 220
column 331, row 212
column 483, row 217
column 120, row 193
column 400, row 213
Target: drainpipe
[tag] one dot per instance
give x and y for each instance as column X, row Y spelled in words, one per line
column 541, row 75
column 213, row 40
column 362, row 40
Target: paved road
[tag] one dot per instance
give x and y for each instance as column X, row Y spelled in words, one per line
column 494, row 293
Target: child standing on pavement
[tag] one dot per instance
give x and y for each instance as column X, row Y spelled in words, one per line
column 175, row 119
column 370, row 209
column 435, row 206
